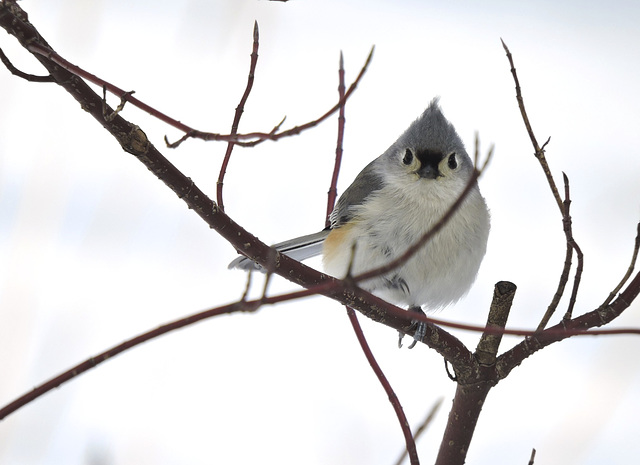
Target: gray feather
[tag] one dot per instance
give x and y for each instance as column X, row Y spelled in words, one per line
column 368, row 181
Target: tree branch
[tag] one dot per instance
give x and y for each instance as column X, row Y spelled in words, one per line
column 16, row 72
column 333, row 187
column 474, row 385
column 393, row 398
column 238, row 115
column 598, row 317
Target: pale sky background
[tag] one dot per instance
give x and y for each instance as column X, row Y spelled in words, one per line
column 94, row 249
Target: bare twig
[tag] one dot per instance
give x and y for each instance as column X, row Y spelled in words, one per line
column 564, row 278
column 333, row 189
column 118, row 349
column 568, row 230
column 249, row 140
column 238, row 115
column 21, row 74
column 627, row 275
column 261, row 137
column 563, row 206
column 108, row 116
column 595, row 318
column 423, row 427
column 393, row 398
column 533, row 457
column 572, row 246
column 539, row 151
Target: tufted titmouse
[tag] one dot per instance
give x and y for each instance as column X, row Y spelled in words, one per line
column 390, row 205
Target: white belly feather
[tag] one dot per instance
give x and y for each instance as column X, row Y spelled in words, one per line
column 438, row 274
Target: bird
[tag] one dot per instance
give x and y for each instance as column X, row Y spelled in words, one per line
column 392, row 203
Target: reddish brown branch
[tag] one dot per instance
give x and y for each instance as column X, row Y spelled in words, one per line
column 393, row 398
column 333, row 188
column 116, row 350
column 274, row 135
column 598, row 317
column 448, row 348
column 247, row 140
column 238, row 115
column 423, row 427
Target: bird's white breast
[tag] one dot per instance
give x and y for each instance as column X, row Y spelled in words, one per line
column 388, row 223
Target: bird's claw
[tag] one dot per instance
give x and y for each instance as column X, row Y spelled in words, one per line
column 420, row 328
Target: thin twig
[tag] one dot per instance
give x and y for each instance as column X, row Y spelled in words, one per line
column 423, row 427
column 238, row 115
column 568, row 230
column 627, row 275
column 123, row 100
column 572, row 246
column 563, row 206
column 333, row 189
column 539, row 151
column 393, row 398
column 533, row 457
column 16, row 72
column 578, row 325
column 118, row 349
column 261, row 137
column 564, row 278
column 245, row 140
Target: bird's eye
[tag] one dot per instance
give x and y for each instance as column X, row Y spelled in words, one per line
column 408, row 157
column 452, row 162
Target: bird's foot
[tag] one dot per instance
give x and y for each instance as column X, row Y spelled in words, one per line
column 420, row 328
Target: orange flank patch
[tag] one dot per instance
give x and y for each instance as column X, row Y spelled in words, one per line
column 335, row 242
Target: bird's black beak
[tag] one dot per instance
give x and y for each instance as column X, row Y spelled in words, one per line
column 429, row 172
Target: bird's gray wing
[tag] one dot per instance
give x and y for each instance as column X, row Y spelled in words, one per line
column 367, row 182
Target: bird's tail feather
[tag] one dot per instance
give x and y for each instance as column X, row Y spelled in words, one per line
column 299, row 248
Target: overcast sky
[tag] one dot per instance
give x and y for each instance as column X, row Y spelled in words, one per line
column 95, row 250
